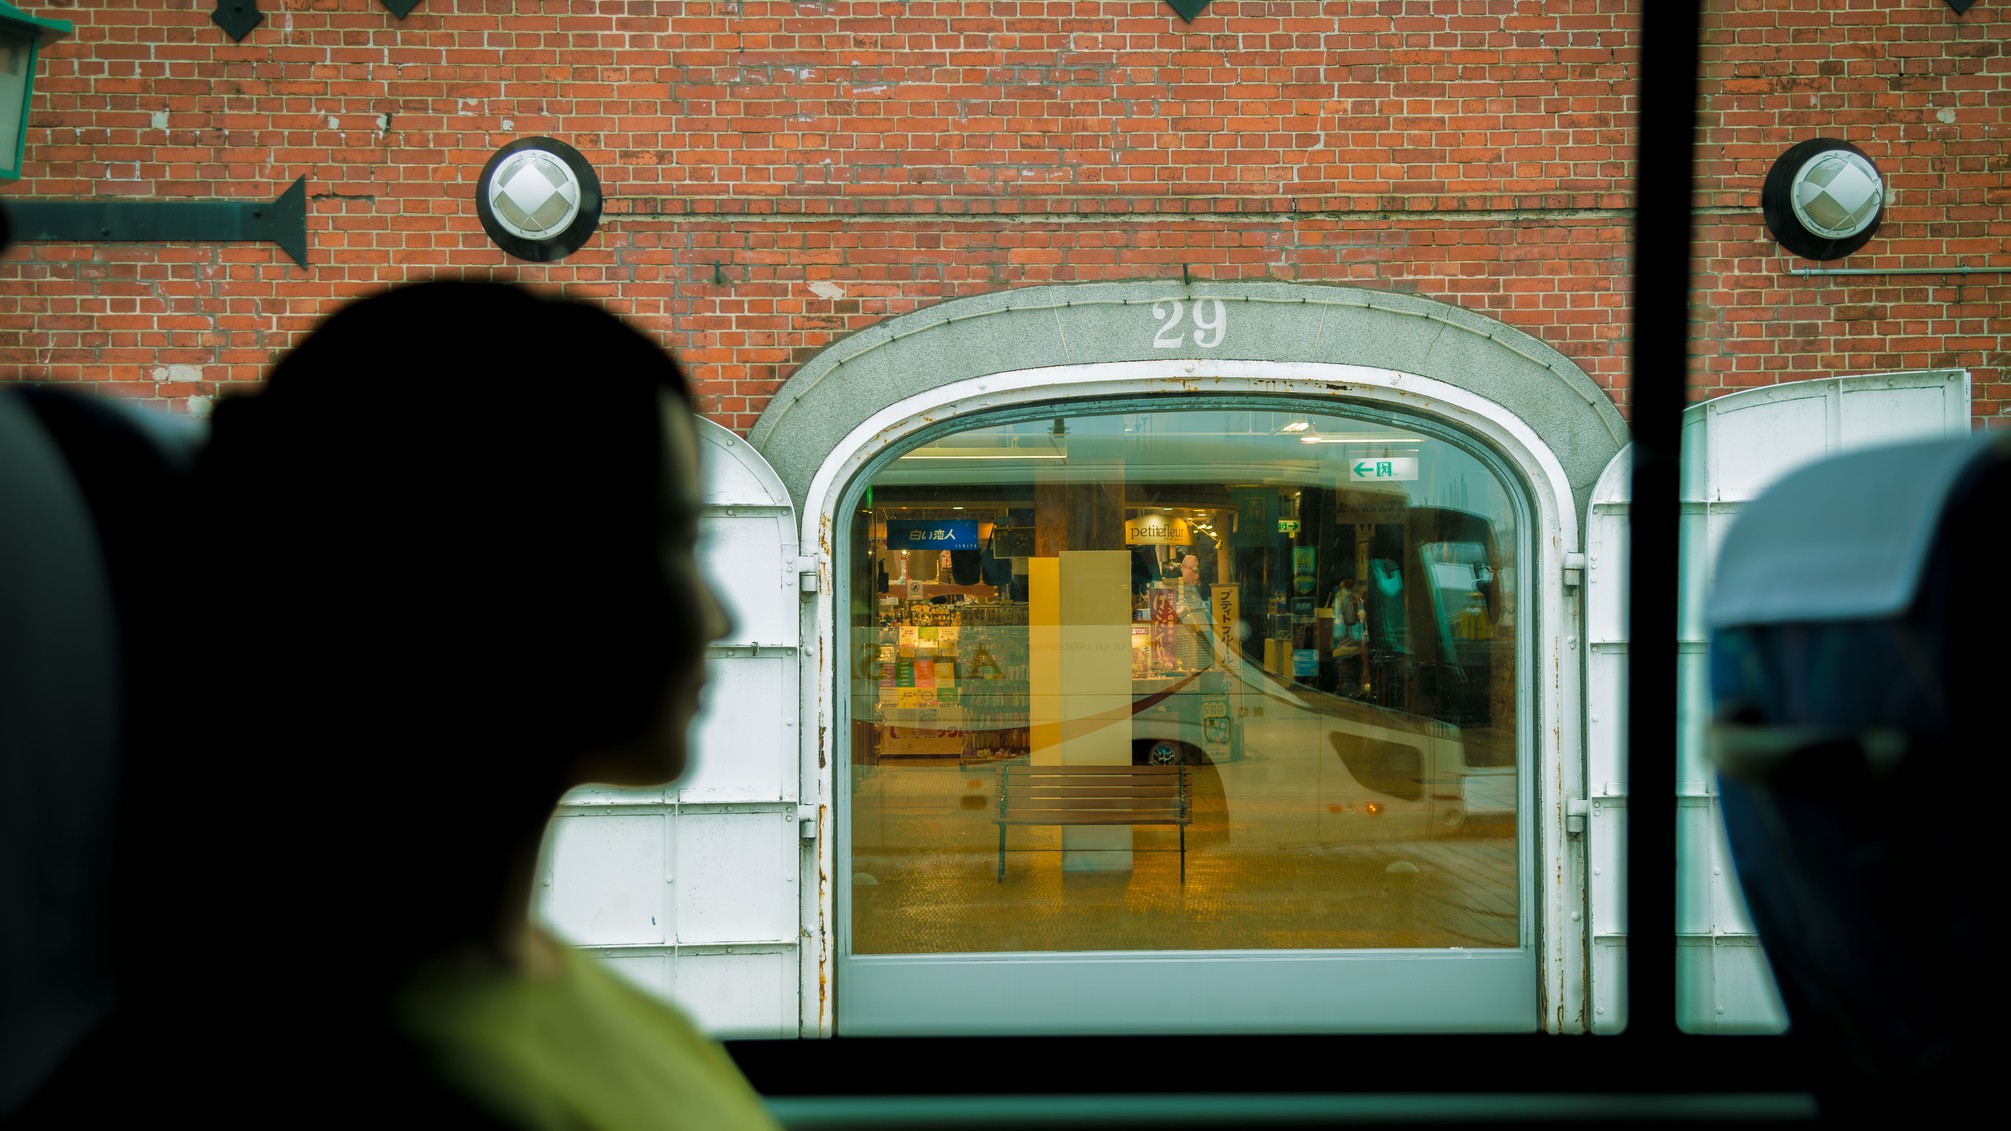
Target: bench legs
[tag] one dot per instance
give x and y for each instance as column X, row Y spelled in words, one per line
column 1183, row 854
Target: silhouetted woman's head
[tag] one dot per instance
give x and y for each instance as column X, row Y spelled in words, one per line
column 455, row 535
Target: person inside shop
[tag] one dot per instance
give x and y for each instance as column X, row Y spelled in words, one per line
column 1192, row 601
column 1196, row 649
column 1350, row 632
column 450, row 575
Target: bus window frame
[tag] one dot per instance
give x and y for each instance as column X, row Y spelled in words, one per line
column 1637, row 1070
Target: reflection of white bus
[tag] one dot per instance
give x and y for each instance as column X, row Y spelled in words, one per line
column 1376, row 773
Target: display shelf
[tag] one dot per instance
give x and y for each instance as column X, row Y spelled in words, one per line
column 953, row 682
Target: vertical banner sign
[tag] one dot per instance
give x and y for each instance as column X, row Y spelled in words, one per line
column 1227, row 607
column 1302, row 570
column 1256, row 516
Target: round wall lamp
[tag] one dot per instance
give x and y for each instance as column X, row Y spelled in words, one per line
column 538, row 199
column 1823, row 199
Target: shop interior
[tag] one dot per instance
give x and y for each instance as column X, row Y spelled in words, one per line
column 1328, row 665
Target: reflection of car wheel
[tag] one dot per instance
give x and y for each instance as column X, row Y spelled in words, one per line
column 1451, row 821
column 1164, row 752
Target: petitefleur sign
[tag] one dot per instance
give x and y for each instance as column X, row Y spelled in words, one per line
column 1157, row 530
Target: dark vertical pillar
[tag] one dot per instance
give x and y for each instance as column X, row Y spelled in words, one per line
column 1665, row 137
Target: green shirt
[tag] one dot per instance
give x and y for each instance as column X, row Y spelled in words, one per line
column 578, row 1049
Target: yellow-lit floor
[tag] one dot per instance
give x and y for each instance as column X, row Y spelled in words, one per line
column 1277, row 858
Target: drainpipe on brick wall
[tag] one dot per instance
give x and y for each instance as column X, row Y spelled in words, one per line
column 1964, row 269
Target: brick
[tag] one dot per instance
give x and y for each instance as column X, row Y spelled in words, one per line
column 944, row 155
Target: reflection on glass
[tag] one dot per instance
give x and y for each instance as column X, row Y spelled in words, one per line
column 1213, row 679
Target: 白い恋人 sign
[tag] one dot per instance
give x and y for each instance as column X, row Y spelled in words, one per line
column 925, row 534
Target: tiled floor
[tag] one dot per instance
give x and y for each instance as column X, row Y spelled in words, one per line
column 1277, row 857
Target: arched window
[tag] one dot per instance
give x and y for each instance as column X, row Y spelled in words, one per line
column 1436, row 461
column 1189, row 712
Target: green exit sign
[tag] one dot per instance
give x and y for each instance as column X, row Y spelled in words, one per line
column 1288, row 526
column 1388, row 468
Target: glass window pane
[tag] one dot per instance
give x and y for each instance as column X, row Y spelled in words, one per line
column 1207, row 679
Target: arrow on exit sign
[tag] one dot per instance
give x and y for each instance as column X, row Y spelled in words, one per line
column 1392, row 468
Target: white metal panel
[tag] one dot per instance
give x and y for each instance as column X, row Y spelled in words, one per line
column 1694, row 777
column 739, row 993
column 692, row 891
column 1606, row 553
column 744, row 552
column 1606, row 721
column 1735, row 447
column 1606, row 556
column 1693, row 477
column 1696, row 817
column 649, row 971
column 1723, row 985
column 1693, row 571
column 741, row 754
column 1728, row 900
column 605, row 879
column 1754, row 437
column 1882, row 410
column 1608, row 862
column 733, row 479
column 728, row 867
column 1746, row 998
column 1609, row 979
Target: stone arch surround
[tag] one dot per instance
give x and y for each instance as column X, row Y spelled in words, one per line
column 1101, row 323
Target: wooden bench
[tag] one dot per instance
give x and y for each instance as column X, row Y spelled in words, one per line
column 1093, row 795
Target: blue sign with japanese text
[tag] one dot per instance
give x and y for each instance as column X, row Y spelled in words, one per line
column 932, row 534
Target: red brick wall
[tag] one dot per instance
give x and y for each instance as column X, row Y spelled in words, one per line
column 1474, row 152
column 1927, row 94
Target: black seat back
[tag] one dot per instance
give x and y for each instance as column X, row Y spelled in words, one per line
column 87, row 594
column 1855, row 672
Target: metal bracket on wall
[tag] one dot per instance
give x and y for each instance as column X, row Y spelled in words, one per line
column 1187, row 9
column 237, row 17
column 282, row 221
